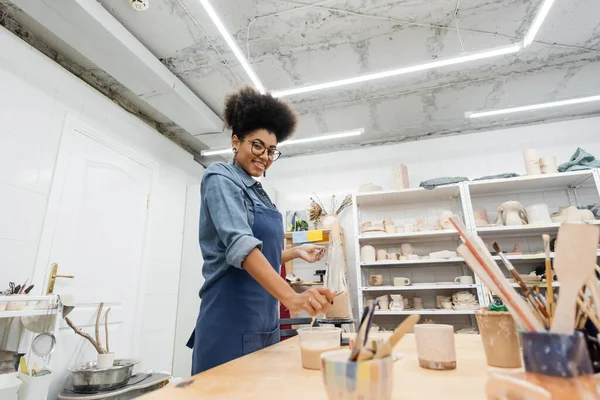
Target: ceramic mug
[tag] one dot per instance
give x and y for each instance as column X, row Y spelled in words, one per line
column 401, row 281
column 367, row 254
column 435, row 346
column 464, row 280
column 407, row 249
column 548, row 165
column 376, row 280
column 382, row 255
column 538, row 214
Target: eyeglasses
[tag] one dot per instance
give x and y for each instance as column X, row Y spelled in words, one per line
column 258, row 149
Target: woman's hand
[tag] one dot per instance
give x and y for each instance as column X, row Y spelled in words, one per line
column 313, row 301
column 310, row 252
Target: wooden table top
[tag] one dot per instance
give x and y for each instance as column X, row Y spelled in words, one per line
column 276, row 372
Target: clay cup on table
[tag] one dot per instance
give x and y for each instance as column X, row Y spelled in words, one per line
column 363, row 380
column 500, row 339
column 435, row 346
column 316, row 341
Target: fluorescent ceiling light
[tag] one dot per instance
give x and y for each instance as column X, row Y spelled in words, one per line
column 537, row 22
column 233, row 45
column 406, row 70
column 332, row 136
column 561, row 103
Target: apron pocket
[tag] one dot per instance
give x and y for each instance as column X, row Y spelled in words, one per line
column 254, row 341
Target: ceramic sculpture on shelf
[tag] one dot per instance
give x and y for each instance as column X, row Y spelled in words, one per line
column 400, row 177
column 572, row 214
column 532, row 162
column 481, row 217
column 511, row 213
column 397, row 303
column 538, row 214
column 444, row 220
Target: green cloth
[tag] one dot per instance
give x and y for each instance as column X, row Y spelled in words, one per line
column 580, row 160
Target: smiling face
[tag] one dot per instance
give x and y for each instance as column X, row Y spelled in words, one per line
column 246, row 158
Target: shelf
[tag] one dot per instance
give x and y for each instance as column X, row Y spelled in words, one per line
column 26, row 313
column 410, row 263
column 541, row 285
column 532, row 183
column 417, row 195
column 522, row 230
column 446, row 234
column 415, row 287
column 426, row 312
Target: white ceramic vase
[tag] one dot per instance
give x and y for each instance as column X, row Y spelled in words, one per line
column 538, row 214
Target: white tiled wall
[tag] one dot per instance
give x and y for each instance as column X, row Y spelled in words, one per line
column 472, row 156
column 35, row 96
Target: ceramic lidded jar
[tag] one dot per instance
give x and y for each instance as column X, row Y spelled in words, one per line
column 367, row 254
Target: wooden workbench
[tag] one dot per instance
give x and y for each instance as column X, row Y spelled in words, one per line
column 276, row 373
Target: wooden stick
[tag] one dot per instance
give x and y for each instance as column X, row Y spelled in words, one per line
column 549, row 277
column 106, row 329
column 588, row 314
column 78, row 331
column 98, row 325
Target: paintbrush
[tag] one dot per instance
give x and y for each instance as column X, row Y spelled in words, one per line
column 549, row 277
column 538, row 307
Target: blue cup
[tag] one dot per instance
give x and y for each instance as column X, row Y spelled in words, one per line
column 552, row 354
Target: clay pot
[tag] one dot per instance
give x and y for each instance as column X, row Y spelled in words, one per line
column 500, row 339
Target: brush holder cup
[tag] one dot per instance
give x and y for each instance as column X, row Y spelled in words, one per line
column 551, row 354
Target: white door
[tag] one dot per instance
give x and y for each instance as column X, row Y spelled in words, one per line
column 95, row 229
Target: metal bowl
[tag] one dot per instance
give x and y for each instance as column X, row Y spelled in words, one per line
column 89, row 379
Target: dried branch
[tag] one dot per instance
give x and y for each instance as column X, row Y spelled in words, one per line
column 106, row 329
column 78, row 331
column 98, row 324
column 345, row 204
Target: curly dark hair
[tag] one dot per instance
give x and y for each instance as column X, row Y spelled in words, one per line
column 248, row 110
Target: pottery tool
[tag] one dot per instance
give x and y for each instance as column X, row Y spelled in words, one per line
column 537, row 306
column 592, row 285
column 586, row 311
column 478, row 257
column 23, row 287
column 29, row 289
column 575, row 257
column 549, row 276
column 385, row 350
column 363, row 330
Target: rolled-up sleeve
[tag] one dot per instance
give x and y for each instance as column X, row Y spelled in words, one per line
column 227, row 209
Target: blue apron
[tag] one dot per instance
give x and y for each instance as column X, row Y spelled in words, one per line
column 237, row 315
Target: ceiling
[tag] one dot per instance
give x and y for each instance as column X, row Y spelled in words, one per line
column 296, row 43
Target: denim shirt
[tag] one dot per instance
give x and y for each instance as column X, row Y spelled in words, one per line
column 227, row 198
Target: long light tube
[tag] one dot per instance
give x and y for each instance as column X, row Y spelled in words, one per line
column 401, row 71
column 561, row 103
column 333, row 136
column 537, row 22
column 233, row 45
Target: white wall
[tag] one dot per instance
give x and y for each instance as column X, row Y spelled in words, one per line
column 35, row 96
column 473, row 156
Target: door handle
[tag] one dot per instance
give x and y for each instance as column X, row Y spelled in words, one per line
column 53, row 275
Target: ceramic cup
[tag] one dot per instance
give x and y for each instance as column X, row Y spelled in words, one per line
column 382, row 255
column 367, row 254
column 347, row 380
column 500, row 339
column 376, row 280
column 548, row 165
column 464, row 280
column 406, row 302
column 435, row 346
column 532, row 162
column 417, row 303
column 552, row 354
column 401, row 281
column 447, row 305
column 390, row 229
column 384, row 305
column 440, row 299
column 407, row 249
column 538, row 214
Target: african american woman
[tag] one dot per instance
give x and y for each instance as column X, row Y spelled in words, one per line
column 241, row 238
